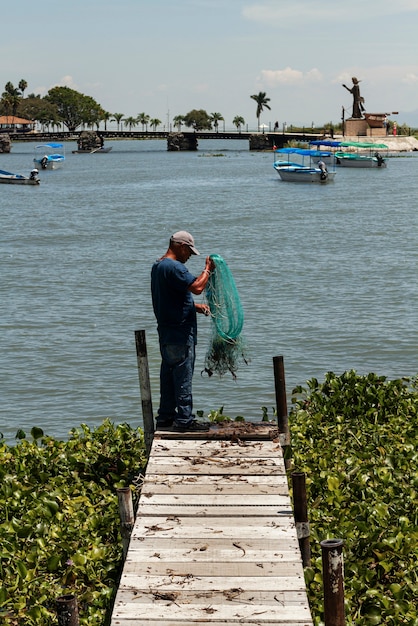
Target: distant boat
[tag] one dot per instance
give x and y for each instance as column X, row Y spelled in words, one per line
column 19, row 179
column 370, row 158
column 46, row 157
column 93, row 150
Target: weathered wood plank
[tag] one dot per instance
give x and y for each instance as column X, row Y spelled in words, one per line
column 214, row 548
column 248, row 584
column 233, row 569
column 172, row 526
column 226, row 484
column 212, row 500
column 212, row 465
column 185, row 510
column 221, row 449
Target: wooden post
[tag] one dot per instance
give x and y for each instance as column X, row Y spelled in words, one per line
column 67, row 611
column 282, row 417
column 145, row 387
column 301, row 516
column 126, row 514
column 333, row 581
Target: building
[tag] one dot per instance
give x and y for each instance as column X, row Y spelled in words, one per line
column 13, row 124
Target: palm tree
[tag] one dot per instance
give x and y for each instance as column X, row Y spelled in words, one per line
column 117, row 117
column 130, row 122
column 216, row 118
column 106, row 117
column 143, row 119
column 262, row 102
column 238, row 121
column 178, row 121
column 154, row 123
column 23, row 85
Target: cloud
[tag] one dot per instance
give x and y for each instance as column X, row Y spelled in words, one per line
column 289, row 76
column 411, row 78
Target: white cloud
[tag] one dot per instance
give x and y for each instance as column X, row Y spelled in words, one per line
column 411, row 78
column 288, row 76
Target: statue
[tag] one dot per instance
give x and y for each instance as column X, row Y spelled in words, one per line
column 358, row 101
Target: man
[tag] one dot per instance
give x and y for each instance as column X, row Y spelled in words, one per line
column 358, row 101
column 172, row 288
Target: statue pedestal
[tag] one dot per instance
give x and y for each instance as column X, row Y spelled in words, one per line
column 356, row 127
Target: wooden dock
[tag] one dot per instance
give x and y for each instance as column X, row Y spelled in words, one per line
column 214, row 540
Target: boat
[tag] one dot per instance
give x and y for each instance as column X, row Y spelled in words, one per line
column 315, row 172
column 47, row 158
column 370, row 158
column 93, row 150
column 19, row 179
column 330, row 146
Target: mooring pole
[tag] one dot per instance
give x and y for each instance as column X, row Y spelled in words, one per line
column 301, row 516
column 126, row 514
column 333, row 581
column 67, row 610
column 282, row 416
column 145, row 387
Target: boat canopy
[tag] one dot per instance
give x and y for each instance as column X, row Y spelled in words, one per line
column 358, row 144
column 330, row 143
column 304, row 152
column 53, row 145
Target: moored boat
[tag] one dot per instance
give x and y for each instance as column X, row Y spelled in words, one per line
column 315, row 172
column 364, row 155
column 100, row 150
column 19, row 179
column 47, row 158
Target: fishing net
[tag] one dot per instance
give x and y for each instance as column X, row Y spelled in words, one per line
column 227, row 347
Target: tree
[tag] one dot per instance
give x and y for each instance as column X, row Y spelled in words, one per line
column 37, row 108
column 74, row 108
column 216, row 118
column 238, row 121
column 23, row 85
column 10, row 99
column 143, row 119
column 118, row 118
column 262, row 102
column 198, row 119
column 106, row 117
column 178, row 121
column 130, row 122
column 154, row 123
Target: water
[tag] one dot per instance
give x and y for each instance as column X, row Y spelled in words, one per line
column 326, row 275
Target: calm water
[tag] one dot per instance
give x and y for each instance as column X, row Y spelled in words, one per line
column 326, row 275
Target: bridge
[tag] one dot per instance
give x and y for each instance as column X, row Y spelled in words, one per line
column 256, row 140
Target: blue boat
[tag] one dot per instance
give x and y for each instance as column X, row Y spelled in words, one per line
column 46, row 157
column 298, row 171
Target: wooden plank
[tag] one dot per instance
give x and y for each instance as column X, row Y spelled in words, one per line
column 211, row 465
column 260, row 449
column 227, row 484
column 214, row 548
column 228, row 613
column 211, row 584
column 186, row 510
column 233, row 569
column 172, row 526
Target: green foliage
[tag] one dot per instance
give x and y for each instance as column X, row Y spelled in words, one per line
column 59, row 521
column 355, row 438
column 198, row 120
column 74, row 108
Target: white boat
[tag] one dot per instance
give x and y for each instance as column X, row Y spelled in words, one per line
column 46, row 157
column 364, row 155
column 19, row 179
column 315, row 172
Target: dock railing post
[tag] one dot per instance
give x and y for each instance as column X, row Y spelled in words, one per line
column 127, row 517
column 67, row 610
column 145, row 388
column 333, row 581
column 281, row 402
column 301, row 516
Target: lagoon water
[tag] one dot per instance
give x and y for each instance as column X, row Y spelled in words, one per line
column 327, row 276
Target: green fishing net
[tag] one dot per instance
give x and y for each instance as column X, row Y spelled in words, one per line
column 227, row 347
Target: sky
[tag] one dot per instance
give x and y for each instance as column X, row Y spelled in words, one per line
column 167, row 57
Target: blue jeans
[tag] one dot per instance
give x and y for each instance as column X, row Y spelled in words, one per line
column 176, row 374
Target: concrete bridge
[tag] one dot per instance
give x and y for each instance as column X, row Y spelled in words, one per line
column 255, row 140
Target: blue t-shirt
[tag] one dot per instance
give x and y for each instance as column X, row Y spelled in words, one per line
column 173, row 303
